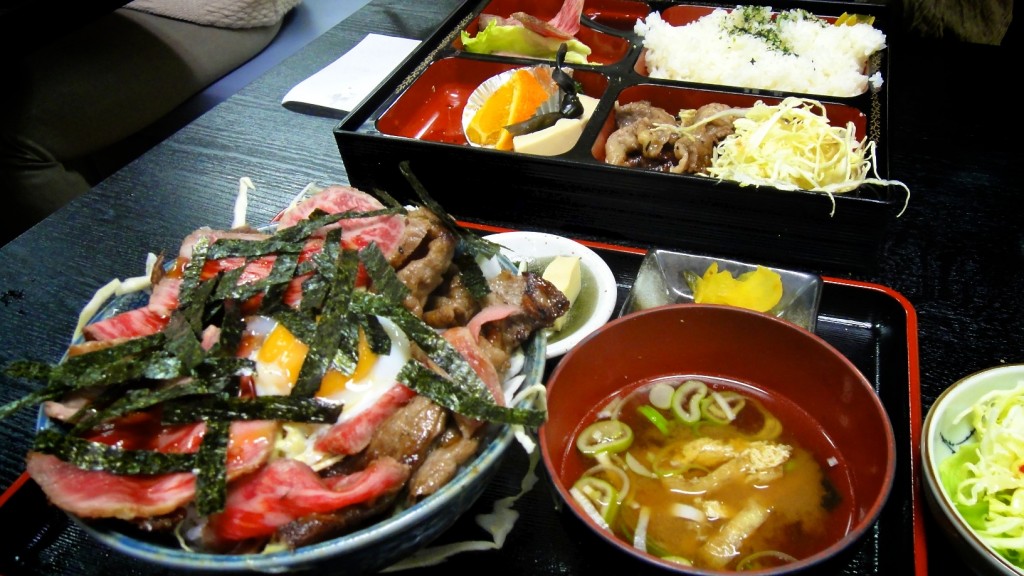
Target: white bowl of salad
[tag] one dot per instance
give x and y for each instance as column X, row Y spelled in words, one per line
column 972, row 452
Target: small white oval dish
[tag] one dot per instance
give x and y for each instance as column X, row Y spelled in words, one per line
column 598, row 292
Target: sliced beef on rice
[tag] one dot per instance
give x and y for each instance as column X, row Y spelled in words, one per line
column 540, row 303
column 407, row 436
column 321, row 527
column 451, row 304
column 425, row 265
column 441, row 464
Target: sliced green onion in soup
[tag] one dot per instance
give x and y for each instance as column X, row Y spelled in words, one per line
column 660, row 395
column 601, row 494
column 722, row 407
column 764, row 559
column 605, row 436
column 686, row 400
column 638, row 467
column 640, row 536
column 654, row 417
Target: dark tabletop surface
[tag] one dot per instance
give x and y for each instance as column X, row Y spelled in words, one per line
column 957, row 254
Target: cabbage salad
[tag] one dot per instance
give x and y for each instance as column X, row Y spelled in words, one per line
column 985, row 476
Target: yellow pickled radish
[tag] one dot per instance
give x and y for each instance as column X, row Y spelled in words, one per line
column 759, row 289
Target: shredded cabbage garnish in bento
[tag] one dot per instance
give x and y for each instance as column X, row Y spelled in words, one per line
column 792, row 146
column 985, row 476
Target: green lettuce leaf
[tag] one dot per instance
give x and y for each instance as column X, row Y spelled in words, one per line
column 523, row 41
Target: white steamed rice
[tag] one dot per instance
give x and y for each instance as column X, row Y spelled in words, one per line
column 824, row 59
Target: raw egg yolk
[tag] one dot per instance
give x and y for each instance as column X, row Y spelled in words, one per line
column 334, row 381
column 285, row 352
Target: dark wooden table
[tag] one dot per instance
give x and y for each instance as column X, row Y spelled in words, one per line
column 957, row 254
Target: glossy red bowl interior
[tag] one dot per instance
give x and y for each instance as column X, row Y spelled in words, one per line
column 673, row 99
column 618, row 14
column 431, row 107
column 605, row 48
column 737, row 345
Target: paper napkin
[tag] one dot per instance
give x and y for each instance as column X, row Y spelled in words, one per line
column 341, row 85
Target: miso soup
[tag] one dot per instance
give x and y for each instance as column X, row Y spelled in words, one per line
column 711, row 473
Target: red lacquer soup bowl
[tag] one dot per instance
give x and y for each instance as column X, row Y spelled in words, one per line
column 712, row 483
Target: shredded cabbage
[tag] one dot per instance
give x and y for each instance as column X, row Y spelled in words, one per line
column 242, row 202
column 498, row 524
column 792, row 146
column 985, row 477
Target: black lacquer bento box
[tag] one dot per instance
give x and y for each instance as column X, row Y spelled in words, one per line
column 415, row 115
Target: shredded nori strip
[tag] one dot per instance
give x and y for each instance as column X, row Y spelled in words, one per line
column 389, row 200
column 383, row 278
column 314, row 291
column 183, row 344
column 376, row 336
column 318, row 219
column 191, row 277
column 118, row 370
column 212, row 468
column 105, row 366
column 227, row 283
column 89, row 455
column 193, row 302
column 302, row 327
column 232, row 327
column 465, row 393
column 316, row 288
column 31, row 399
column 472, row 276
column 283, row 408
column 447, row 393
column 281, row 273
column 277, row 283
column 237, row 247
column 334, row 330
column 436, row 347
column 473, row 243
column 140, row 399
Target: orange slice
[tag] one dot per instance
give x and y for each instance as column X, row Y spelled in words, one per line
column 513, row 102
column 527, row 95
column 487, row 123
